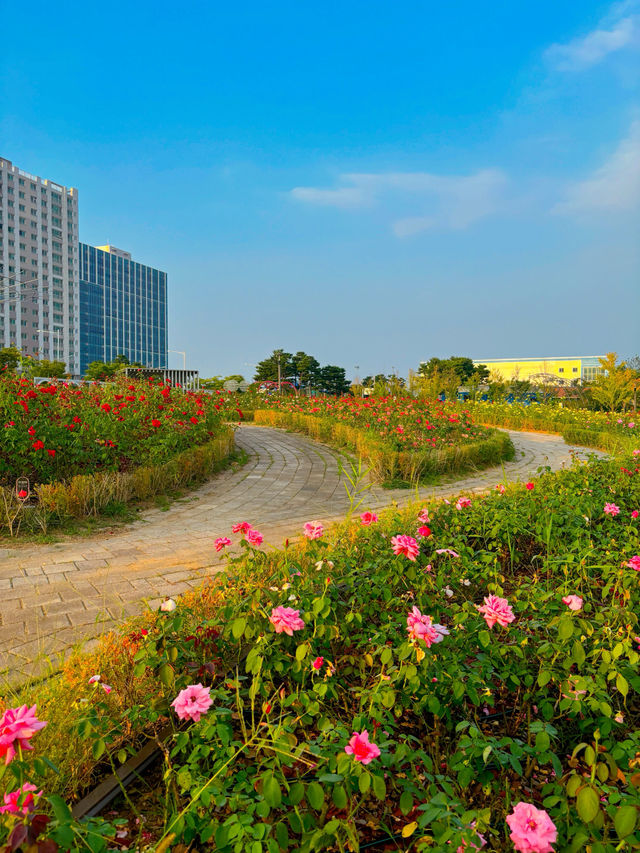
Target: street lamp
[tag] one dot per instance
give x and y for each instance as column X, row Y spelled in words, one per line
column 183, row 354
column 56, row 331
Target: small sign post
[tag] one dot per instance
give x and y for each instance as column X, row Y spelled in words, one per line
column 23, row 491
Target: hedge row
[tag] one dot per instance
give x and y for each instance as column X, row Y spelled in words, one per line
column 87, row 495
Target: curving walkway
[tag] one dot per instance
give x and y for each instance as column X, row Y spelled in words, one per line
column 53, row 596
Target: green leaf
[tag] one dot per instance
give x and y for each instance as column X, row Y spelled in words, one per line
column 573, row 783
column 238, row 626
column 622, row 684
column 406, row 802
column 484, row 639
column 588, row 804
column 315, row 796
column 339, row 796
column 301, row 651
column 565, row 629
column 296, row 793
column 364, row 783
column 379, row 788
column 61, row 810
column 544, row 678
column 625, row 820
column 385, row 656
column 282, row 836
column 271, row 790
column 98, row 748
column 543, row 742
column 577, row 653
column 166, row 674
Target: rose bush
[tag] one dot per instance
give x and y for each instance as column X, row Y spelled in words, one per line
column 474, row 687
column 53, row 432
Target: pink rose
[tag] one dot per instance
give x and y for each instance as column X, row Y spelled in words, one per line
column 500, row 487
column 368, row 518
column 17, row 727
column 573, row 602
column 361, row 747
column 406, row 545
column 611, row 509
column 313, row 530
column 22, row 801
column 254, row 538
column 496, row 609
column 423, row 517
column 222, row 542
column 463, row 503
column 243, row 527
column 529, row 486
column 317, row 663
column 192, row 702
column 634, row 563
column 635, row 513
column 286, row 620
column 532, row 830
column 421, row 627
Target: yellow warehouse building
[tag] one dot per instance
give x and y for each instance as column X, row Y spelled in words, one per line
column 559, row 370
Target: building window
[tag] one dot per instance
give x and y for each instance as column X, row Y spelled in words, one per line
column 561, row 370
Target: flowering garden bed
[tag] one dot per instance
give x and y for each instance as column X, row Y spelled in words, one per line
column 451, row 678
column 396, row 438
column 603, row 430
column 82, row 447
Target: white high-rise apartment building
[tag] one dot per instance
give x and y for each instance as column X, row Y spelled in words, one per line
column 39, row 270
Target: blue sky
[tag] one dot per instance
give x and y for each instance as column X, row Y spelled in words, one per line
column 374, row 183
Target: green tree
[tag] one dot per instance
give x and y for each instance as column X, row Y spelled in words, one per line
column 9, row 358
column 100, row 371
column 268, row 368
column 307, row 369
column 44, row 367
column 613, row 388
column 462, row 366
column 333, row 380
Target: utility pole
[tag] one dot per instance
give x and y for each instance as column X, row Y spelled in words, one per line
column 279, row 376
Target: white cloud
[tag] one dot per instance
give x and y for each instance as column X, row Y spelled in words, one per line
column 452, row 201
column 615, row 186
column 582, row 53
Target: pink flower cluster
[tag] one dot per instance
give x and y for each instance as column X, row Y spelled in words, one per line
column 22, row 801
column 192, row 702
column 421, row 627
column 362, row 749
column 286, row 620
column 405, row 545
column 573, row 602
column 611, row 509
column 253, row 537
column 313, row 530
column 532, row 830
column 634, row 563
column 463, row 503
column 367, row 518
column 17, row 727
column 496, row 610
column 423, row 517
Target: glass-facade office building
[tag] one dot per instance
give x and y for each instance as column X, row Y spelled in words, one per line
column 123, row 308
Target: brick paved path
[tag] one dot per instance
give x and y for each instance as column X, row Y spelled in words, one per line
column 52, row 596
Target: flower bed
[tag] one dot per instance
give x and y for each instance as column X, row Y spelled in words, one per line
column 610, row 432
column 84, row 447
column 454, row 678
column 396, row 438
